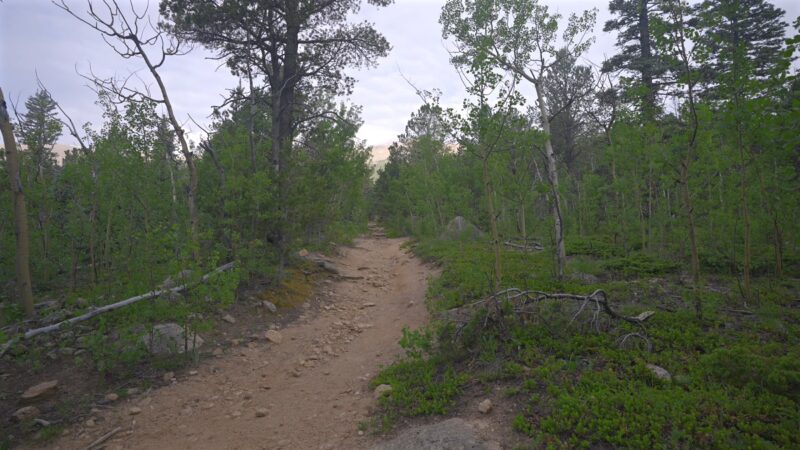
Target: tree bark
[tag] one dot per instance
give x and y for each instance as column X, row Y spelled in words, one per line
column 745, row 212
column 552, row 175
column 487, row 185
column 22, row 256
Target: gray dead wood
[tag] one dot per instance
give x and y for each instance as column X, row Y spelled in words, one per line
column 104, row 309
column 522, row 303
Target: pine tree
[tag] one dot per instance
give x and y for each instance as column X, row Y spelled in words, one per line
column 740, row 32
column 39, row 128
column 638, row 52
column 568, row 87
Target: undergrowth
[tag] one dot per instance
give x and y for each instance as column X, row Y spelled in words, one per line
column 735, row 377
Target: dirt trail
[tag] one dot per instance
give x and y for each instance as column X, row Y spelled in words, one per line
column 313, row 386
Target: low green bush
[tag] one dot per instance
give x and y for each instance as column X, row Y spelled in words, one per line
column 640, row 264
column 735, row 379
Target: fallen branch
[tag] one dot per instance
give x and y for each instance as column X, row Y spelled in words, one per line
column 743, row 312
column 103, row 438
column 104, row 309
column 522, row 304
column 526, row 246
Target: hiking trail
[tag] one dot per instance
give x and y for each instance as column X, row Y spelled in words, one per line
column 308, row 391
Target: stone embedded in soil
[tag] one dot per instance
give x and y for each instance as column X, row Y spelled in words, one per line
column 261, row 412
column 485, row 406
column 112, row 397
column 228, row 318
column 660, row 372
column 217, row 352
column 274, row 336
column 169, row 338
column 40, row 391
column 25, row 413
column 169, row 376
column 134, row 410
column 382, row 389
column 451, row 433
column 270, row 306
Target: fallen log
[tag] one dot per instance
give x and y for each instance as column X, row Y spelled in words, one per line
column 104, row 309
column 526, row 246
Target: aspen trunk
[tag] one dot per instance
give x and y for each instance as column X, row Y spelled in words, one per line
column 745, row 217
column 22, row 257
column 695, row 258
column 552, row 175
column 487, row 184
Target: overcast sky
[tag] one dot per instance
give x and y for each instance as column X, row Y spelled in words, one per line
column 37, row 37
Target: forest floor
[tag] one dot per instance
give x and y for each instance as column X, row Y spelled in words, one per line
column 310, row 390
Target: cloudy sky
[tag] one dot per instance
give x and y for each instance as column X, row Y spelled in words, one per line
column 37, row 37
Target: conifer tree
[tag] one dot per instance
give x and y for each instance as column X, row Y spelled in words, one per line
column 638, row 53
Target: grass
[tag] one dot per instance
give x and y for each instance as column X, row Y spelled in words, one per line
column 292, row 291
column 735, row 377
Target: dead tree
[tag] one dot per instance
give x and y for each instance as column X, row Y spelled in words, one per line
column 22, row 259
column 132, row 35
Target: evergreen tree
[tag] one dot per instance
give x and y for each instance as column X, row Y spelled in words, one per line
column 39, row 129
column 568, row 86
column 740, row 36
column 638, row 51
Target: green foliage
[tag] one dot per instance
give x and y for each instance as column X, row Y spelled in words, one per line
column 592, row 247
column 640, row 264
column 735, row 379
column 422, row 384
column 111, row 220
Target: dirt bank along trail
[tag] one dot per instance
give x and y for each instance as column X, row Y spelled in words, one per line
column 308, row 391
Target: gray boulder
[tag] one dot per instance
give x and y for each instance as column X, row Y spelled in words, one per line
column 448, row 434
column 182, row 277
column 169, row 338
column 461, row 229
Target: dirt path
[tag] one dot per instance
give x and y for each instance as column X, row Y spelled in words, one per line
column 312, row 387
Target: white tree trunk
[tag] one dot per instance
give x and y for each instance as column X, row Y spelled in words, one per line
column 552, row 176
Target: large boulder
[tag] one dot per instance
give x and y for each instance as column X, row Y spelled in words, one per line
column 449, row 434
column 169, row 338
column 461, row 229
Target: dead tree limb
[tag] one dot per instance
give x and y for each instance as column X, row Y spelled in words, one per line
column 103, row 438
column 104, row 309
column 522, row 305
column 524, row 245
